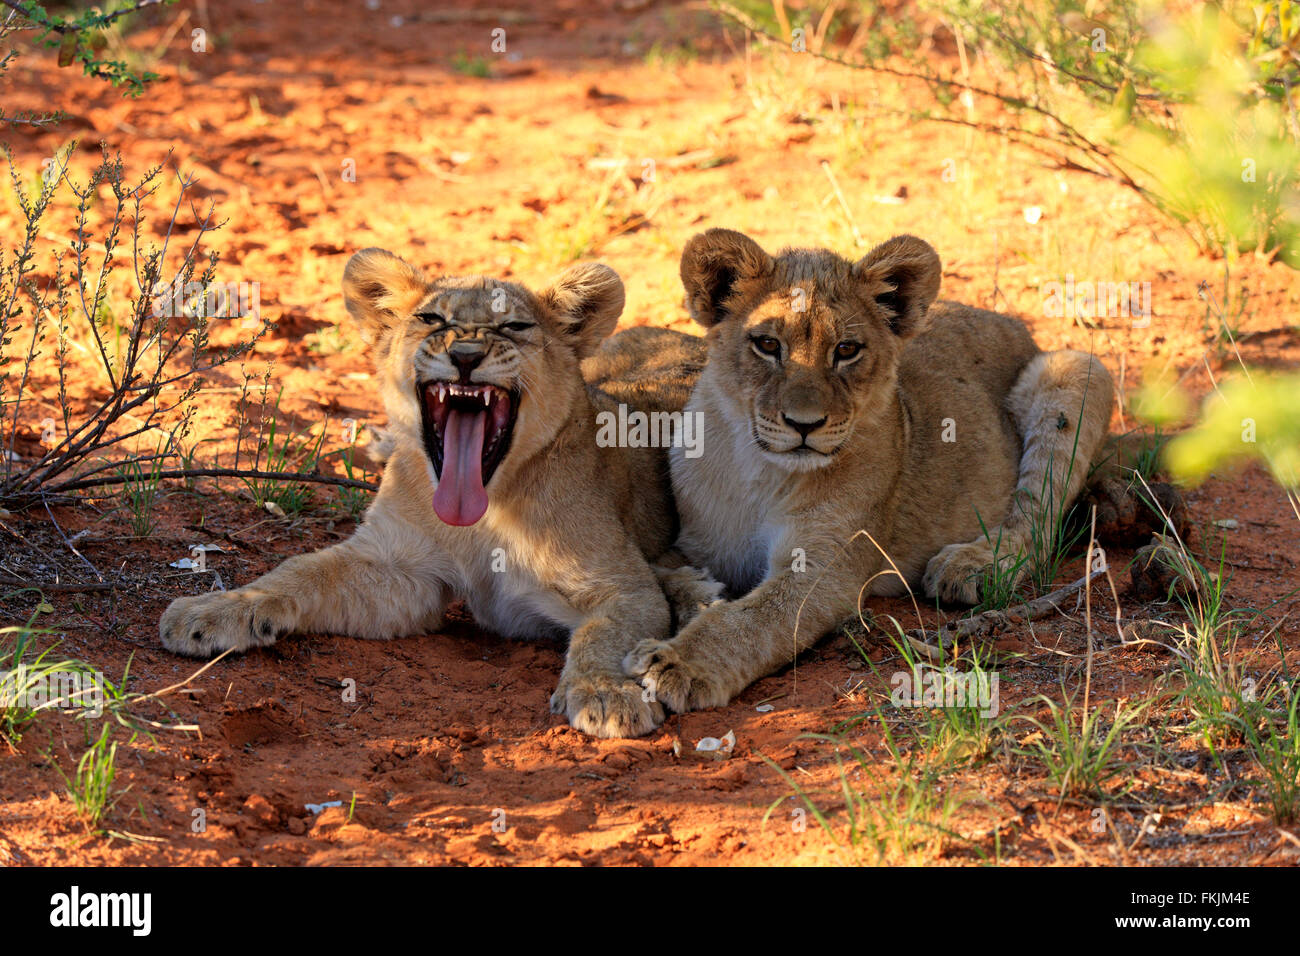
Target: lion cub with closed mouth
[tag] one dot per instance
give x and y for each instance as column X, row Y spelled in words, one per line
column 862, row 438
column 496, row 492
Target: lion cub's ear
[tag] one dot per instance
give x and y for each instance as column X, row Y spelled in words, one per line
column 712, row 263
column 585, row 301
column 379, row 288
column 904, row 276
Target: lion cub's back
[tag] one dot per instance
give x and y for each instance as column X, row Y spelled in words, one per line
column 646, row 370
column 965, row 345
column 965, row 450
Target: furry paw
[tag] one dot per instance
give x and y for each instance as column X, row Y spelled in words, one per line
column 1161, row 572
column 956, row 574
column 689, row 591
column 1127, row 514
column 671, row 680
column 606, row 706
column 207, row 624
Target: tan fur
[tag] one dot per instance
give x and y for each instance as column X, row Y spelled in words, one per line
column 807, row 460
column 575, row 522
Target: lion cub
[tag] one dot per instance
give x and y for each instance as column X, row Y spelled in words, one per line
column 852, row 427
column 496, row 492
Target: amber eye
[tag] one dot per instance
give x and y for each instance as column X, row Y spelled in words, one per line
column 847, row 350
column 766, row 344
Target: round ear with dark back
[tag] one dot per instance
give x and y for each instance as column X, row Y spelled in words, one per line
column 713, row 263
column 379, row 288
column 903, row 276
column 586, row 301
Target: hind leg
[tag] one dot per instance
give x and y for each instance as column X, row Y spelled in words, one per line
column 1061, row 404
column 1131, row 509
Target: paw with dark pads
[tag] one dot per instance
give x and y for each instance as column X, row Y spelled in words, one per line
column 208, row 624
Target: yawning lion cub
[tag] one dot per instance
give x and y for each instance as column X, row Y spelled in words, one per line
column 496, row 492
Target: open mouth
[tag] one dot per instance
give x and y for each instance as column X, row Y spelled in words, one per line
column 467, row 431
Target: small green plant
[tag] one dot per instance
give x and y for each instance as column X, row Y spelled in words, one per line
column 330, row 340
column 671, row 56
column 30, row 681
column 187, row 458
column 1081, row 753
column 963, row 726
column 968, row 731
column 611, row 208
column 139, row 491
column 91, row 789
column 1222, row 328
column 352, row 501
column 1146, row 462
column 1000, row 583
column 467, row 65
column 909, row 807
column 902, row 812
column 284, row 455
column 1276, row 751
column 1216, row 688
column 1052, row 539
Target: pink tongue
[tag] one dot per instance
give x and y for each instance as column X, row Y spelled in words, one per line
column 460, row 499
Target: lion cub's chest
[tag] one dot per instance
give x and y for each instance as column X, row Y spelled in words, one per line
column 505, row 593
column 729, row 516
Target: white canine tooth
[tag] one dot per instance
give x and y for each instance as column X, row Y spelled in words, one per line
column 487, row 397
column 442, row 394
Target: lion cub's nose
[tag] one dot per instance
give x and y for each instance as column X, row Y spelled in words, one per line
column 804, row 428
column 466, row 355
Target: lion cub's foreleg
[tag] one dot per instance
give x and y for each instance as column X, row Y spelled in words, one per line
column 731, row 644
column 1062, row 404
column 593, row 691
column 382, row 582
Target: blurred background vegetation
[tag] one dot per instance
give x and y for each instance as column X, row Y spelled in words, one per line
column 1190, row 104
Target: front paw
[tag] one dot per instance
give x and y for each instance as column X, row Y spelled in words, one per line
column 606, row 706
column 670, row 679
column 207, row 624
column 957, row 573
column 689, row 591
